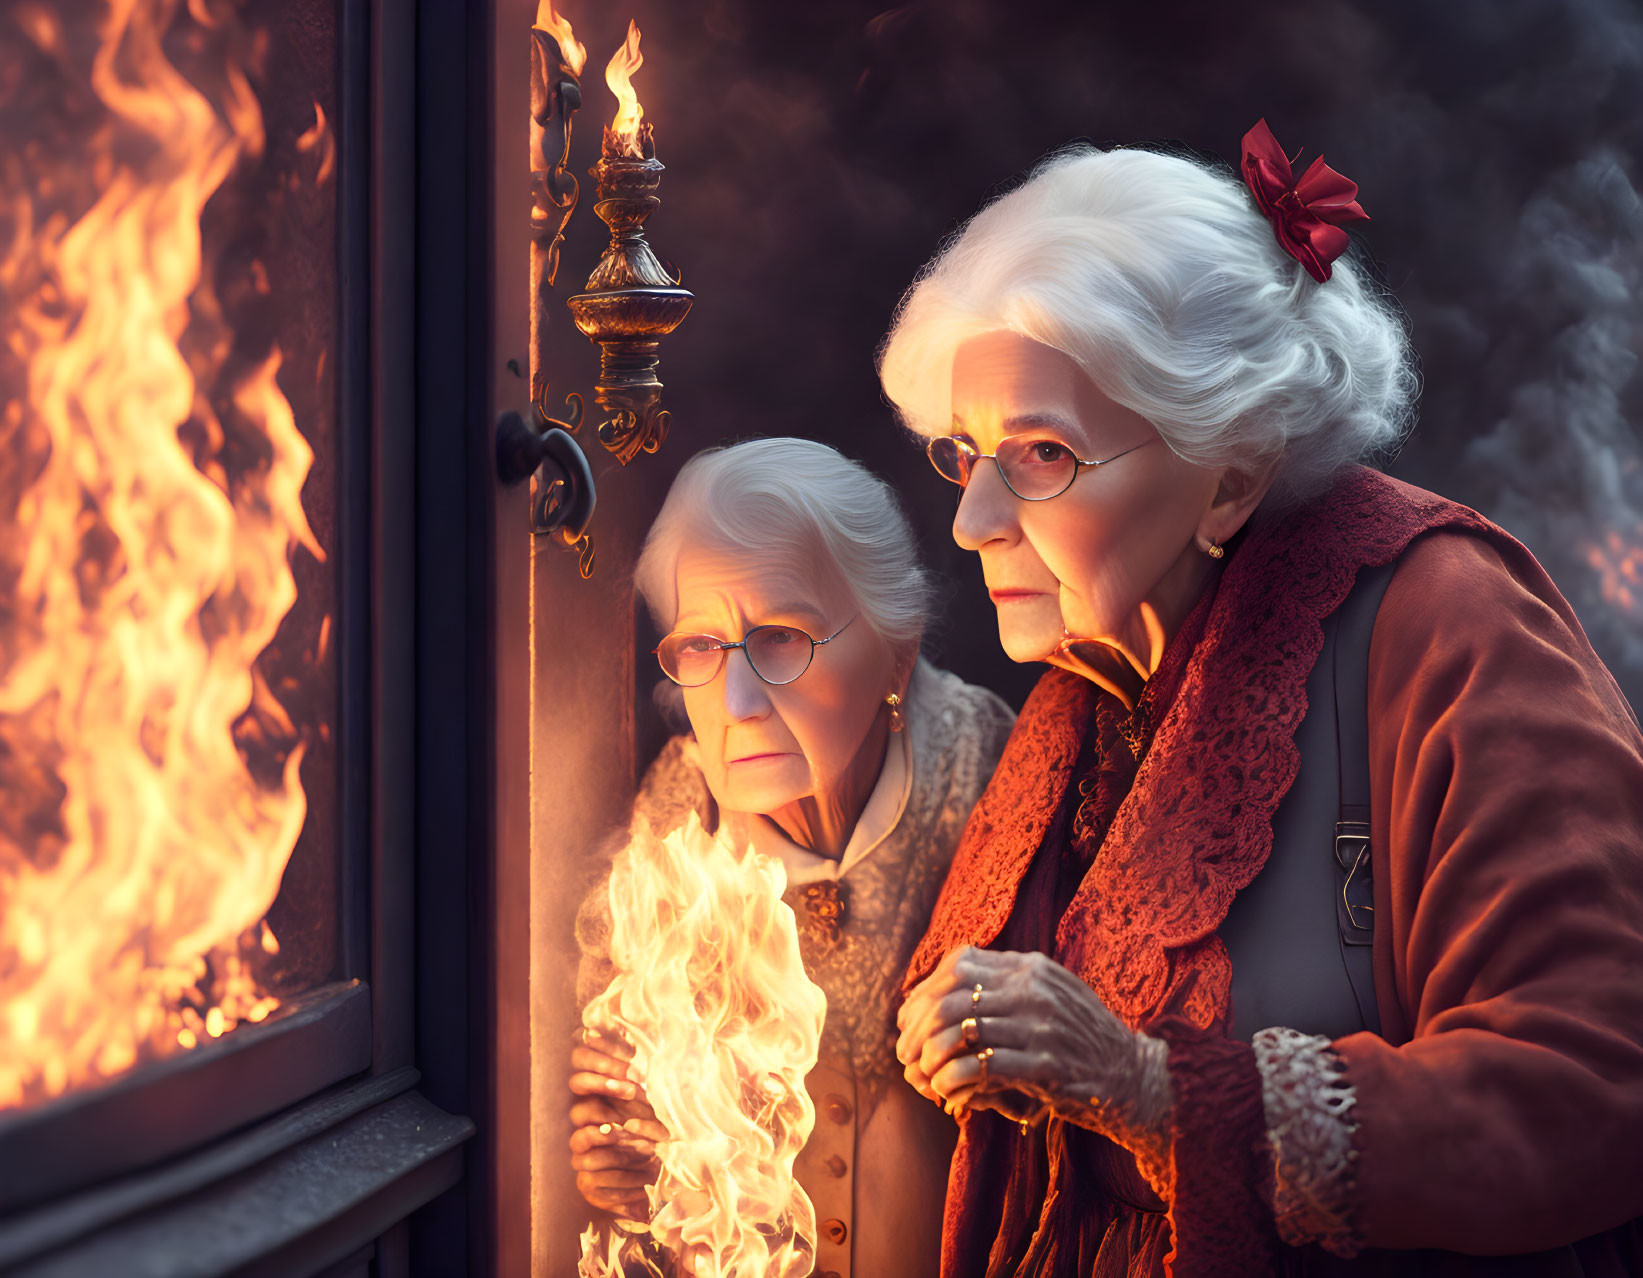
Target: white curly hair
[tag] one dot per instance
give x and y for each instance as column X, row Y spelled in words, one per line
column 1159, row 276
column 792, row 505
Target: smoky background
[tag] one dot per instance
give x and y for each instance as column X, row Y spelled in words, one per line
column 818, row 154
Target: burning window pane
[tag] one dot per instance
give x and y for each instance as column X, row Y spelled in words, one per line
column 166, row 677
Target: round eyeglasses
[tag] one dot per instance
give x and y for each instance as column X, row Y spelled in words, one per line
column 1032, row 469
column 778, row 654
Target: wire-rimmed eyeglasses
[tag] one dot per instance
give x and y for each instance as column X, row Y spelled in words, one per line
column 778, row 654
column 1034, row 469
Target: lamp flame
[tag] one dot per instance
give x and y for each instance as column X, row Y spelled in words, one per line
column 624, row 137
column 711, row 992
column 576, row 55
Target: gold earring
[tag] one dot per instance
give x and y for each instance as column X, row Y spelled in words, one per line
column 897, row 723
column 1215, row 550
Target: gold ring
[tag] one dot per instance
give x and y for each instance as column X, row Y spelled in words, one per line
column 984, row 1055
column 971, row 1029
column 975, row 998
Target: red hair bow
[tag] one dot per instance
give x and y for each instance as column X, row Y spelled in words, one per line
column 1305, row 214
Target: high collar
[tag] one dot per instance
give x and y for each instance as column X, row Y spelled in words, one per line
column 879, row 817
column 885, row 806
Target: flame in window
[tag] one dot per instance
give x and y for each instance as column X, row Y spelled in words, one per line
column 711, row 992
column 142, row 572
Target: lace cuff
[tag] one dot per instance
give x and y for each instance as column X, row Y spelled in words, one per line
column 1307, row 1102
column 1137, row 1117
column 1153, row 1161
column 1149, row 1137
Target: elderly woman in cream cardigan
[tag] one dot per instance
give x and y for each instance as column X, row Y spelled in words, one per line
column 786, row 580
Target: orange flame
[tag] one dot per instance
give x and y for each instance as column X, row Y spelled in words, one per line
column 623, row 136
column 140, row 592
column 725, row 1024
column 556, row 26
column 318, row 137
column 1619, row 567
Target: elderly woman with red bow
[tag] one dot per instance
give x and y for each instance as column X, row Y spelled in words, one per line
column 1301, row 926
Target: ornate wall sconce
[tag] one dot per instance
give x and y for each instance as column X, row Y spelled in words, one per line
column 632, row 300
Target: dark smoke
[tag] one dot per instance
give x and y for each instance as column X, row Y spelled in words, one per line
column 817, row 154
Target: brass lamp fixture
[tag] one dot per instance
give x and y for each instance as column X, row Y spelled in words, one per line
column 632, row 300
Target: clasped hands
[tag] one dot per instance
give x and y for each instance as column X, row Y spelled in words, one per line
column 1034, row 1041
column 614, row 1131
column 1055, row 1049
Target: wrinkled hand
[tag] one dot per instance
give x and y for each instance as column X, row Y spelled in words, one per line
column 1056, row 1048
column 614, row 1131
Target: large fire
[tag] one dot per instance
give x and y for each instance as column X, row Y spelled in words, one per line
column 625, row 136
column 711, row 992
column 139, row 581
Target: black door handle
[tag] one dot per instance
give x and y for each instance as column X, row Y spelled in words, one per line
column 565, row 498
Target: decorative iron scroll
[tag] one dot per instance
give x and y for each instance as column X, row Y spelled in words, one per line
column 556, row 96
column 562, row 491
column 626, row 433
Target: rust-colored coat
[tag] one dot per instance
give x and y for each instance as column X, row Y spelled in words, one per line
column 1503, row 1110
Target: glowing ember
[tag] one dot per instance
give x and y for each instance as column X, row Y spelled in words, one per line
column 725, row 1024
column 1619, row 566
column 138, row 585
column 627, row 132
column 556, row 26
